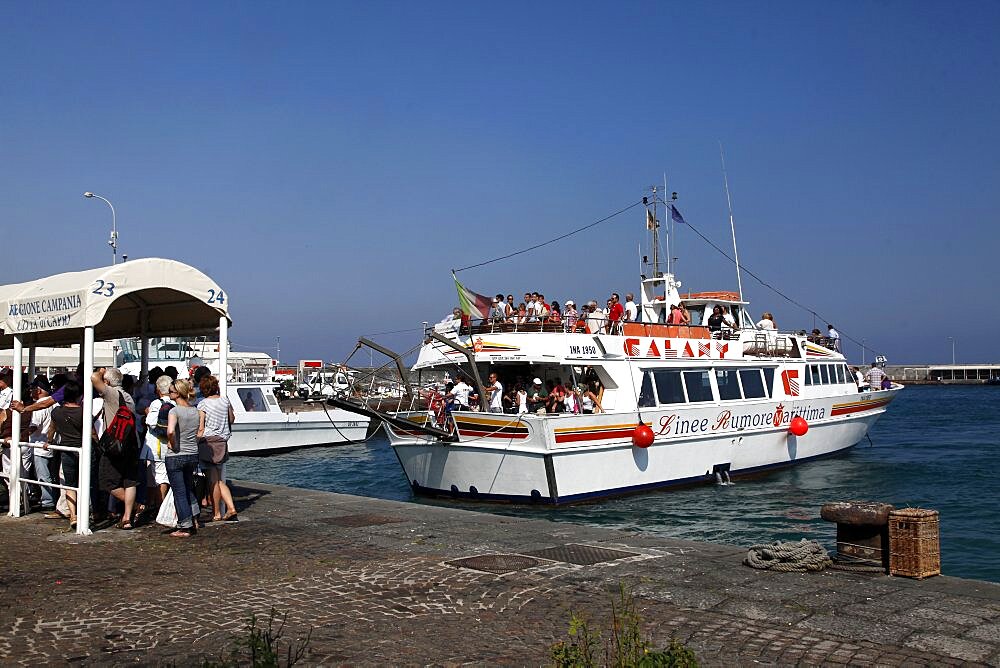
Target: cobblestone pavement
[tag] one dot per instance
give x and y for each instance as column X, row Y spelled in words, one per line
column 386, row 583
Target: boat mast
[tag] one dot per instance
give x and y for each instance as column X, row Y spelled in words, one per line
column 668, row 217
column 656, row 239
column 732, row 225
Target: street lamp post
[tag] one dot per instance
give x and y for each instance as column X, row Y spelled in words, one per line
column 862, row 352
column 113, row 241
column 952, row 339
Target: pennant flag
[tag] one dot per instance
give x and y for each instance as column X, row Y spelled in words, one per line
column 472, row 304
column 650, row 221
column 676, row 216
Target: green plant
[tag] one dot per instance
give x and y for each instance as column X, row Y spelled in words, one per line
column 625, row 646
column 259, row 647
column 579, row 651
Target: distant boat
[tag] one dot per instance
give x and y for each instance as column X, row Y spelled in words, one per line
column 262, row 426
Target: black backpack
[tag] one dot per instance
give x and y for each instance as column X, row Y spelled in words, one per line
column 160, row 429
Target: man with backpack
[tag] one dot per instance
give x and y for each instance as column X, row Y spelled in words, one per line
column 117, row 470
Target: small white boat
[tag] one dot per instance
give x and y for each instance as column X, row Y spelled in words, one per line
column 262, row 426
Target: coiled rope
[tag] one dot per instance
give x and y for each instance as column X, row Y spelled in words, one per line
column 788, row 557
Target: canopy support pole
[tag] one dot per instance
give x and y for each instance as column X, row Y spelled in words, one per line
column 223, row 355
column 31, row 361
column 87, row 445
column 14, row 451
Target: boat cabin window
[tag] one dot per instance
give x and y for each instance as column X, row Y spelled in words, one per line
column 769, row 380
column 697, row 314
column 840, row 373
column 669, row 389
column 646, row 398
column 252, row 399
column 698, row 385
column 814, row 374
column 729, row 384
column 753, row 384
column 824, row 371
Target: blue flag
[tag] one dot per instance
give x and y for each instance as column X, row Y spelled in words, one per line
column 676, row 216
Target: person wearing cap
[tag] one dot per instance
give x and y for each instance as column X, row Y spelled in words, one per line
column 46, row 461
column 570, row 316
column 537, row 396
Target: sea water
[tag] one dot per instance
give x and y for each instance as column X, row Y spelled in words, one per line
column 936, row 447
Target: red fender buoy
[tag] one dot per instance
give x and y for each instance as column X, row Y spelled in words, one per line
column 798, row 426
column 642, row 436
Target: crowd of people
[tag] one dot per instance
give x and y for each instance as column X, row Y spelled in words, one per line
column 157, row 445
column 536, row 309
column 590, row 318
column 517, row 396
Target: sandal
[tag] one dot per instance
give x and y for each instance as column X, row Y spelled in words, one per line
column 182, row 533
column 125, row 525
column 55, row 515
column 231, row 517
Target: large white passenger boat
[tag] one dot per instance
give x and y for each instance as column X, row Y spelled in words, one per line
column 718, row 404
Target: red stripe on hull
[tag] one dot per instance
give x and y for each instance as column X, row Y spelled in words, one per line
column 593, row 435
column 858, row 409
column 493, row 434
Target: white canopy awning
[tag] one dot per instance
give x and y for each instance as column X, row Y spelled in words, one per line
column 151, row 297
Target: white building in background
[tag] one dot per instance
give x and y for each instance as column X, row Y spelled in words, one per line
column 54, row 360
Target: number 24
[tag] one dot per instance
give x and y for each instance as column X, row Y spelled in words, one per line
column 216, row 297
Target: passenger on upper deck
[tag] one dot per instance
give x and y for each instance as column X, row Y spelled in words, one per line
column 555, row 317
column 542, row 307
column 814, row 336
column 595, row 318
column 685, row 314
column 675, row 318
column 521, row 316
column 727, row 317
column 570, row 316
column 834, row 337
column 767, row 321
column 498, row 311
column 631, row 310
column 716, row 321
column 451, row 323
column 616, row 314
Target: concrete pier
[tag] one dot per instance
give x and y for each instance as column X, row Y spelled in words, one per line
column 388, row 583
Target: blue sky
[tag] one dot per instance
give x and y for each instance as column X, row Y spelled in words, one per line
column 328, row 163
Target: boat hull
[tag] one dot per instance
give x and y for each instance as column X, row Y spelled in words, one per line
column 569, row 459
column 284, row 432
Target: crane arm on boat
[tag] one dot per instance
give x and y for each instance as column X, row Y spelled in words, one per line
column 398, row 422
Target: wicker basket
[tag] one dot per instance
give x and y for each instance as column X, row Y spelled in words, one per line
column 914, row 543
